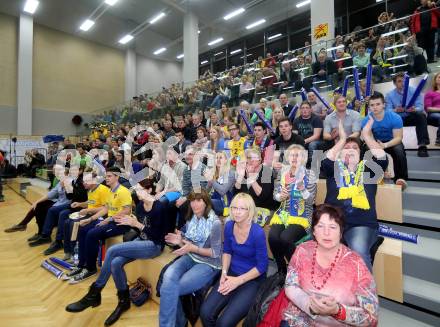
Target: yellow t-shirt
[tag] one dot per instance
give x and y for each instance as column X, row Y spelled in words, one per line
column 98, row 197
column 237, row 147
column 117, row 200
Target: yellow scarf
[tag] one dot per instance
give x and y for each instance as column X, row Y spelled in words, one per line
column 295, row 215
column 353, row 190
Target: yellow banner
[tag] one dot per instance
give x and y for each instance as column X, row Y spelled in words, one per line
column 320, row 31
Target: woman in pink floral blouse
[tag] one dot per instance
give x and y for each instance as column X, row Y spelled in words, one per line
column 328, row 284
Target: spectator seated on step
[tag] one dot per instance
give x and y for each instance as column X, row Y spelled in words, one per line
column 413, row 116
column 388, row 131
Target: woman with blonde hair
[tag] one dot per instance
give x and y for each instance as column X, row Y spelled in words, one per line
column 244, row 266
column 246, row 107
column 295, row 188
column 216, row 141
column 257, row 180
column 220, row 184
column 277, row 115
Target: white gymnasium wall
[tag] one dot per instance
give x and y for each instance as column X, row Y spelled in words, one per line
column 153, row 74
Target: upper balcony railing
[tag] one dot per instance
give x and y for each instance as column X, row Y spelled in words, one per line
column 389, row 45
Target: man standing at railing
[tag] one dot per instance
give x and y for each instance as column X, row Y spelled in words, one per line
column 324, row 70
column 424, row 24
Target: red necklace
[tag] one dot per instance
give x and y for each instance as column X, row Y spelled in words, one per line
column 326, row 274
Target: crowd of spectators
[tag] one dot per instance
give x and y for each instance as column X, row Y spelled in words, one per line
column 324, row 66
column 178, row 180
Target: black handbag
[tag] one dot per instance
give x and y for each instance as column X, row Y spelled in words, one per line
column 140, row 291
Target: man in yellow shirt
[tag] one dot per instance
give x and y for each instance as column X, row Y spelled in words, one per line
column 97, row 195
column 96, row 229
column 236, row 145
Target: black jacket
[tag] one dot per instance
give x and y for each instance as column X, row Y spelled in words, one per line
column 79, row 192
column 329, row 66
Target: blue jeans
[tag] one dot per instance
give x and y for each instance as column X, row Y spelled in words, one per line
column 62, row 217
column 184, row 276
column 52, row 218
column 227, row 310
column 217, row 102
column 120, row 254
column 361, row 239
column 313, row 146
column 89, row 237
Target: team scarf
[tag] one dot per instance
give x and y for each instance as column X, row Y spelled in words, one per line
column 352, row 187
column 199, row 229
column 295, row 215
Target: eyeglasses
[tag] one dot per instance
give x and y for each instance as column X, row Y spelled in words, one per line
column 239, row 209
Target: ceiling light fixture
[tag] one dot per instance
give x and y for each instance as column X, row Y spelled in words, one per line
column 204, row 62
column 158, row 17
column 31, row 6
column 258, row 22
column 180, row 56
column 234, row 13
column 218, row 53
column 159, row 51
column 274, row 36
column 303, row 3
column 110, row 2
column 126, row 39
column 235, row 51
column 215, row 41
column 86, row 25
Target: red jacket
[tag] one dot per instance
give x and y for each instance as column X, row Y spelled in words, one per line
column 415, row 24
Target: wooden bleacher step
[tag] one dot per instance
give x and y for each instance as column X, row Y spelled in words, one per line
column 34, row 193
column 19, row 184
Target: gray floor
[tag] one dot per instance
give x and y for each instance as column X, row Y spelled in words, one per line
column 389, row 318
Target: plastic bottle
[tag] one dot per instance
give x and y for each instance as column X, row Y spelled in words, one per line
column 75, row 254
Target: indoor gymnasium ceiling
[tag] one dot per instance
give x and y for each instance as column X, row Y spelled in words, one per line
column 126, row 15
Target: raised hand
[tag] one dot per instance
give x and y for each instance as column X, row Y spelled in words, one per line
column 341, row 130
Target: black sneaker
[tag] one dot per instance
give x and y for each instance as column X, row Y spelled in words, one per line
column 54, row 247
column 83, row 275
column 40, row 241
column 15, row 228
column 34, row 238
column 423, row 151
column 75, row 271
column 2, row 198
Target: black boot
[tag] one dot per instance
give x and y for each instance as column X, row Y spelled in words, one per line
column 123, row 305
column 91, row 299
